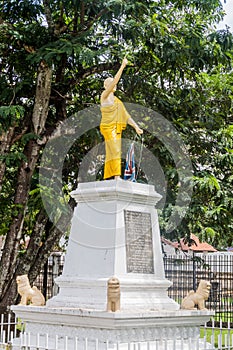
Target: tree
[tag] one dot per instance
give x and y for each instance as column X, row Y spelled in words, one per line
column 212, row 202
column 54, row 57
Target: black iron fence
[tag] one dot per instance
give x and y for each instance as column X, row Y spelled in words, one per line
column 52, row 269
column 185, row 273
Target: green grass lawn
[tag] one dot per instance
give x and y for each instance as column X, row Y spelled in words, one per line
column 225, row 335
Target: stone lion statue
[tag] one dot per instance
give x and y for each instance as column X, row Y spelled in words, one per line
column 29, row 295
column 197, row 298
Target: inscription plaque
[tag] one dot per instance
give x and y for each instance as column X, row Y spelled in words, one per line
column 139, row 247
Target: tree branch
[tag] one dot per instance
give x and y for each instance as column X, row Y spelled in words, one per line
column 91, row 22
column 93, row 70
column 82, row 13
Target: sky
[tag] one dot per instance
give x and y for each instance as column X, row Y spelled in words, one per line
column 228, row 20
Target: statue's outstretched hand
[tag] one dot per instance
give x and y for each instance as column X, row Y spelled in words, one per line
column 139, row 131
column 124, row 62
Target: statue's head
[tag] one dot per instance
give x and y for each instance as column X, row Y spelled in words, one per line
column 107, row 82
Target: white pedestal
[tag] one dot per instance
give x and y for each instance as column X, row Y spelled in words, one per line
column 115, row 232
column 64, row 328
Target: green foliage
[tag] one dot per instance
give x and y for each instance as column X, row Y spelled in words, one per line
column 179, row 65
column 10, row 115
column 25, row 10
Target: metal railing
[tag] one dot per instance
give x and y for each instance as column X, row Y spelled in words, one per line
column 12, row 331
column 10, row 327
column 185, row 272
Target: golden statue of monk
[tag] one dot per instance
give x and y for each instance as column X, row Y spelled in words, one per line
column 114, row 120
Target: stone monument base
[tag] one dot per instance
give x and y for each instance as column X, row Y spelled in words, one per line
column 82, row 329
column 138, row 292
column 114, row 233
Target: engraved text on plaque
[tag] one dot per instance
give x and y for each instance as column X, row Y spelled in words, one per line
column 139, row 247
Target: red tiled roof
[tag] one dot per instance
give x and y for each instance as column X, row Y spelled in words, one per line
column 197, row 246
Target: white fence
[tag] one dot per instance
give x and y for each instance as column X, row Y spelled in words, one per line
column 44, row 342
column 212, row 338
column 8, row 328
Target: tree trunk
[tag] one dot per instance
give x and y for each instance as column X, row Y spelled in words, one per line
column 26, row 170
column 24, row 262
column 5, row 143
column 34, row 244
column 43, row 91
column 12, row 241
column 53, row 238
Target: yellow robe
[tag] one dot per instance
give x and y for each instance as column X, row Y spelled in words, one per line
column 113, row 122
